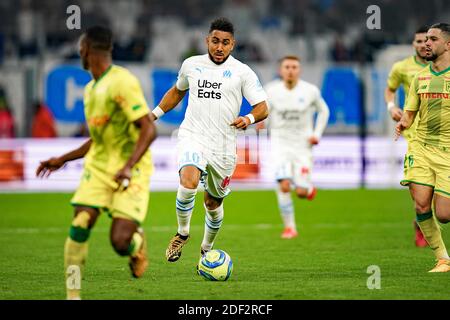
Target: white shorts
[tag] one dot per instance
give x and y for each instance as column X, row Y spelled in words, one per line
column 216, row 169
column 297, row 170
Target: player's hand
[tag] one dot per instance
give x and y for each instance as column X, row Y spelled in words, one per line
column 123, row 178
column 153, row 117
column 48, row 166
column 260, row 125
column 396, row 113
column 241, row 123
column 313, row 140
column 399, row 129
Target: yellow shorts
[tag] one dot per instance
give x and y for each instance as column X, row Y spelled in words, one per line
column 98, row 190
column 427, row 165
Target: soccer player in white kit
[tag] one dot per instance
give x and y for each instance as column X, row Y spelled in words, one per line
column 207, row 136
column 293, row 104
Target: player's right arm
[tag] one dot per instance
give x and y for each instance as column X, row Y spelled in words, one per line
column 393, row 83
column 48, row 166
column 170, row 100
column 410, row 110
column 174, row 95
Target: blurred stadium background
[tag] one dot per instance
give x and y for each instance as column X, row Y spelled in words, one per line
column 41, row 83
column 341, row 233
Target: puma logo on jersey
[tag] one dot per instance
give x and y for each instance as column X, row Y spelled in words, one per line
column 209, row 94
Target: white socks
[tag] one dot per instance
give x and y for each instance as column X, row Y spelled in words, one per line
column 286, row 209
column 213, row 221
column 213, row 218
column 185, row 204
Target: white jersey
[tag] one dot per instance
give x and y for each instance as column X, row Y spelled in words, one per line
column 215, row 98
column 291, row 120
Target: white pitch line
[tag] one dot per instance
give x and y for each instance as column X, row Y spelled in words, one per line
column 198, row 227
column 148, row 229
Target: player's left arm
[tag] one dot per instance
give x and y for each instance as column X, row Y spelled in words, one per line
column 147, row 135
column 323, row 113
column 253, row 91
column 259, row 112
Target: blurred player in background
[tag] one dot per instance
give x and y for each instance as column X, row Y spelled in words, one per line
column 293, row 104
column 207, row 137
column 402, row 74
column 427, row 162
column 117, row 164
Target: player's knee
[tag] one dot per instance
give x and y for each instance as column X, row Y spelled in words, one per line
column 212, row 203
column 85, row 217
column 189, row 182
column 301, row 192
column 444, row 220
column 80, row 228
column 442, row 217
column 285, row 186
column 422, row 207
column 121, row 243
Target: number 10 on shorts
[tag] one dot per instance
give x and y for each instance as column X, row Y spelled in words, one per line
column 191, row 157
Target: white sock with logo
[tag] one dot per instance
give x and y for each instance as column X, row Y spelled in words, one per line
column 213, row 222
column 185, row 205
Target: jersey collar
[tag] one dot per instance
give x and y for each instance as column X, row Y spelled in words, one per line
column 103, row 74
column 419, row 63
column 438, row 73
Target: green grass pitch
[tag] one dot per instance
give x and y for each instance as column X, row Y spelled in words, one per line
column 341, row 234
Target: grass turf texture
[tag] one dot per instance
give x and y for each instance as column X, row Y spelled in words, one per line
column 341, row 234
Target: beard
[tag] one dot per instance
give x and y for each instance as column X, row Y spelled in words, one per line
column 424, row 56
column 218, row 63
column 84, row 64
column 431, row 57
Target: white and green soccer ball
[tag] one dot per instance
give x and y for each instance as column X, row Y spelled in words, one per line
column 215, row 265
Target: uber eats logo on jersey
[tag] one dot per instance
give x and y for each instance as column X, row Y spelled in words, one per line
column 206, row 89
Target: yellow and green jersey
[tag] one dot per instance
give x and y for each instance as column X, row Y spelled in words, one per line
column 111, row 104
column 402, row 74
column 430, row 96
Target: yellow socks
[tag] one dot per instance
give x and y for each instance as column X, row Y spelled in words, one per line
column 75, row 253
column 432, row 234
column 74, row 258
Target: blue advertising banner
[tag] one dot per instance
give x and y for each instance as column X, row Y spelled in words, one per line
column 64, row 92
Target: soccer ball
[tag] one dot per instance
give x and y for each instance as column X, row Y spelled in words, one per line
column 215, row 265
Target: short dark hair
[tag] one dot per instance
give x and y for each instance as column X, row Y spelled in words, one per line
column 99, row 38
column 422, row 29
column 444, row 27
column 222, row 24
